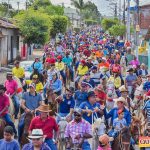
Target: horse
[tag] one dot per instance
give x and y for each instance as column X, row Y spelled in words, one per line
column 68, row 76
column 122, row 141
column 136, row 128
column 11, row 108
column 123, row 63
column 62, row 126
column 27, row 120
column 98, row 129
column 2, row 126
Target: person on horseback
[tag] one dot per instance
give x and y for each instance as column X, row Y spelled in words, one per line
column 121, row 103
column 78, row 131
column 47, row 124
column 67, row 104
column 4, row 105
column 37, row 138
column 81, row 95
column 30, row 101
column 81, row 70
column 118, row 124
column 36, row 72
column 18, row 71
column 68, row 61
column 37, row 64
column 59, row 65
column 91, row 108
column 146, row 86
column 104, row 142
column 8, row 142
column 11, row 89
column 88, row 79
column 130, row 82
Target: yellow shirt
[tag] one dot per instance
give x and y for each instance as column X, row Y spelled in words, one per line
column 39, row 85
column 82, row 70
column 60, row 66
column 18, row 72
column 116, row 81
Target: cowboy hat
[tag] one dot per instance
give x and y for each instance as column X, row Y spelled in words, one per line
column 123, row 89
column 121, row 99
column 130, row 70
column 36, row 133
column 43, row 108
column 78, row 110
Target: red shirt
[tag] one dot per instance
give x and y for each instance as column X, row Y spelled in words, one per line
column 101, row 96
column 4, row 101
column 47, row 126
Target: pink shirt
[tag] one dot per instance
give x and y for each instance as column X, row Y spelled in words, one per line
column 100, row 148
column 4, row 101
column 134, row 62
column 11, row 86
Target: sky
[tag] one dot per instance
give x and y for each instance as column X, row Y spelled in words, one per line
column 103, row 5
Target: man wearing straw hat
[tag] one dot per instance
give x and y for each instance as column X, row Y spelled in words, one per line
column 121, row 103
column 37, row 138
column 47, row 124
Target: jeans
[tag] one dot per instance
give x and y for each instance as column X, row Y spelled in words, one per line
column 63, row 76
column 16, row 104
column 8, row 120
column 51, row 144
column 71, row 72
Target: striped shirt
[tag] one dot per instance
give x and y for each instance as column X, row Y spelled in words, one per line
column 73, row 129
column 146, row 108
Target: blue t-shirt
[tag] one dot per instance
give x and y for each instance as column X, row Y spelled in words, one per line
column 146, row 108
column 80, row 97
column 67, row 60
column 66, row 104
column 31, row 101
column 87, row 105
column 12, row 145
column 130, row 79
column 146, row 86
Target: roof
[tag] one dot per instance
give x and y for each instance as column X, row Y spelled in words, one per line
column 144, row 2
column 7, row 24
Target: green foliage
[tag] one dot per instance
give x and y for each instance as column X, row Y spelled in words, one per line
column 108, row 23
column 77, row 30
column 117, row 30
column 59, row 24
column 90, row 22
column 34, row 26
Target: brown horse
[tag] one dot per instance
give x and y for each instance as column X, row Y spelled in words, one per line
column 136, row 128
column 2, row 126
column 28, row 117
column 122, row 141
column 68, row 76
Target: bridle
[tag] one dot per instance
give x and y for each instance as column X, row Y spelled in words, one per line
column 122, row 144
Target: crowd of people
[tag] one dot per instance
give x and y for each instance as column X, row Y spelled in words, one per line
column 82, row 77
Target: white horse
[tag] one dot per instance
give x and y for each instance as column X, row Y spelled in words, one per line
column 62, row 127
column 123, row 65
column 98, row 129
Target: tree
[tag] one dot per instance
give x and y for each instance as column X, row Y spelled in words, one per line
column 34, row 26
column 108, row 23
column 117, row 30
column 59, row 24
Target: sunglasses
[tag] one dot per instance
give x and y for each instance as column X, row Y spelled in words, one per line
column 77, row 115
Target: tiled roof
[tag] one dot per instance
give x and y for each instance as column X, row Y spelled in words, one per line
column 5, row 24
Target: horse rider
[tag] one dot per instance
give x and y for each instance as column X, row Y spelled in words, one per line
column 124, row 94
column 91, row 109
column 37, row 64
column 78, row 131
column 68, row 61
column 30, row 101
column 81, row 70
column 37, row 138
column 81, row 95
column 4, row 105
column 88, row 79
column 130, row 82
column 146, row 86
column 18, row 71
column 11, row 89
column 121, row 103
column 59, row 65
column 67, row 104
column 47, row 124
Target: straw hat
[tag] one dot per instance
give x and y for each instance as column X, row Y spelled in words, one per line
column 123, row 89
column 121, row 99
column 36, row 133
column 43, row 108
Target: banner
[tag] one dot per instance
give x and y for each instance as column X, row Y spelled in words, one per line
column 144, row 141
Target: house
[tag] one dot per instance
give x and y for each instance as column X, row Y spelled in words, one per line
column 73, row 15
column 9, row 42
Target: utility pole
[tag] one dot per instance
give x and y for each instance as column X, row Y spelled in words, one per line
column 124, row 12
column 120, row 10
column 7, row 10
column 128, row 21
column 26, row 4
column 18, row 3
column 115, row 10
